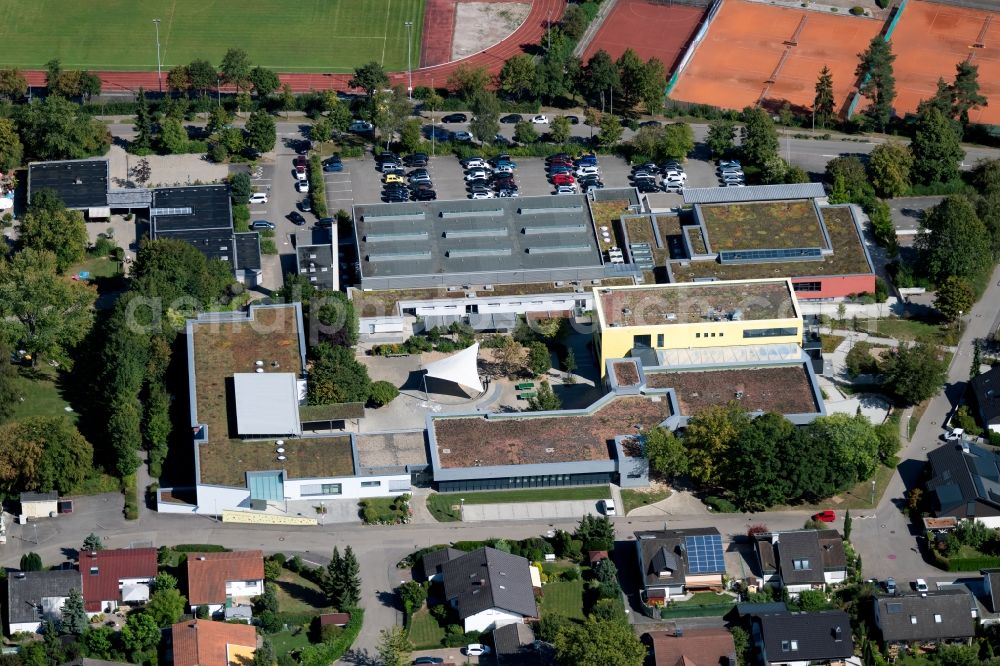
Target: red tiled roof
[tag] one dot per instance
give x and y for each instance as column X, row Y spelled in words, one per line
column 112, row 567
column 207, row 643
column 336, row 619
column 697, row 647
column 209, row 572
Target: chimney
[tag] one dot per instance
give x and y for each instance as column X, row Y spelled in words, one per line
column 201, row 558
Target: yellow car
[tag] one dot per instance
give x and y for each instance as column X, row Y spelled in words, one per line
column 393, row 178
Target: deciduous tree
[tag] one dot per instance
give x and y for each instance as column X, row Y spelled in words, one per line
column 954, row 296
column 878, row 81
column 13, row 85
column 965, row 91
column 823, row 103
column 261, row 132
column 9, row 394
column 166, row 606
column 485, row 122
column 665, row 452
column 755, row 470
column 235, row 68
column 468, row 81
column 611, row 130
column 709, row 438
column 721, row 136
column 653, row 85
column 539, row 359
column 889, row 168
column 524, row 132
column 370, row 77
column 600, row 80
column 953, row 241
column 596, row 643
column 545, row 401
column 203, row 75
column 759, row 138
column 518, row 78
column 560, row 129
column 937, row 149
column 336, row 376
column 631, row 73
column 178, row 79
column 43, row 312
column 914, row 373
column 49, row 226
column 11, row 148
column 264, row 81
column 57, row 129
column 394, row 647
column 139, row 634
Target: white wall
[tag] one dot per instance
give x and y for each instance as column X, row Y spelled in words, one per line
column 991, row 521
column 39, row 509
column 350, row 487
column 488, row 304
column 833, row 577
column 240, row 588
column 491, row 618
column 33, row 627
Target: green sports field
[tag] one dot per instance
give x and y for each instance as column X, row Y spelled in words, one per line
column 286, row 35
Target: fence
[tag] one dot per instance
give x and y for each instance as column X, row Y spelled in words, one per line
column 856, row 98
column 695, row 41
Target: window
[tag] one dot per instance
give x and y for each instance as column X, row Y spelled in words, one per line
column 321, row 489
column 937, row 618
column 795, row 646
column 789, row 646
column 800, row 565
column 768, row 332
column 93, row 571
column 913, row 619
column 642, row 341
column 371, row 484
column 713, row 335
column 659, row 339
column 697, row 335
column 807, row 286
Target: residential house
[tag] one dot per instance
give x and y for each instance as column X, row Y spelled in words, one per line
column 801, row 559
column 800, row 639
column 991, row 586
column 986, row 393
column 432, row 562
column 708, row 646
column 939, row 616
column 35, row 597
column 673, row 562
column 115, row 577
column 489, row 588
column 965, row 483
column 208, row 643
column 216, row 580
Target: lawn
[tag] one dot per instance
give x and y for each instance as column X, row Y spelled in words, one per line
column 290, row 639
column 298, row 595
column 704, row 599
column 564, row 598
column 440, row 504
column 425, row 632
column 40, row 395
column 306, row 36
column 857, row 497
column 908, row 330
column 633, row 499
column 829, row 343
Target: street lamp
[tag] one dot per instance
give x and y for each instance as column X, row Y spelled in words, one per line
column 873, row 492
column 159, row 80
column 461, row 511
column 409, row 68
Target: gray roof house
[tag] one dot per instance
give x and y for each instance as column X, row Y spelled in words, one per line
column 489, row 588
column 801, row 559
column 515, row 645
column 431, row 563
column 33, row 597
column 986, row 390
column 930, row 617
column 790, row 638
column 673, row 561
column 965, row 483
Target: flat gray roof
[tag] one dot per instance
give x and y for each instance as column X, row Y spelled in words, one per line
column 473, row 236
column 267, row 403
column 705, row 195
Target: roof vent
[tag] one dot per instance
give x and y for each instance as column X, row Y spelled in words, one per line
column 549, row 449
column 201, row 558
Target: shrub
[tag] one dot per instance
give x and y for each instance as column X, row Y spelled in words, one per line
column 720, row 504
column 131, row 493
column 571, row 574
column 317, row 187
column 382, row 393
column 857, row 11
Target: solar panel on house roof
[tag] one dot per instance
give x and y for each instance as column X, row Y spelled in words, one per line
column 704, row 553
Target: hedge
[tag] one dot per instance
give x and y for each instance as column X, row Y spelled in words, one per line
column 131, row 492
column 327, row 653
column 965, row 563
column 317, row 187
column 199, row 548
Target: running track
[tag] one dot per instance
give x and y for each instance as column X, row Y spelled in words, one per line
column 530, row 32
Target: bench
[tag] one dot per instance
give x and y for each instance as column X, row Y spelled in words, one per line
column 526, row 396
column 524, row 386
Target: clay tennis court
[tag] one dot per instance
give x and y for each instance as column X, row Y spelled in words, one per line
column 931, row 39
column 651, row 29
column 746, row 47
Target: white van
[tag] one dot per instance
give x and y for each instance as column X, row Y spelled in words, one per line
column 608, row 507
column 258, row 198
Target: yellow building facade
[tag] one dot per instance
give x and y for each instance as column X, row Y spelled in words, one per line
column 695, row 315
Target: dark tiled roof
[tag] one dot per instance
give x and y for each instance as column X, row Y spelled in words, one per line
column 514, row 645
column 665, row 550
column 805, row 636
column 26, row 590
column 938, row 615
column 79, row 183
column 994, row 579
column 696, row 647
column 816, row 551
column 987, row 391
column 113, row 566
column 489, row 578
column 431, row 562
column 960, row 480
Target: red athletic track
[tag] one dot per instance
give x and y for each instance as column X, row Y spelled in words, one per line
column 651, row 30
column 530, row 32
column 439, row 28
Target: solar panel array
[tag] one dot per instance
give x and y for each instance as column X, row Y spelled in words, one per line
column 704, row 553
column 789, row 254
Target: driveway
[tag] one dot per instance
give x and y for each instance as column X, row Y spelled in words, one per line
column 531, row 510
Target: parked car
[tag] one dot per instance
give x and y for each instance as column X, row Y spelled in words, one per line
column 482, row 195
column 890, row 585
column 729, row 163
column 300, row 163
column 416, row 160
column 563, row 179
column 955, row 435
column 827, row 516
column 920, row 585
column 540, row 119
column 559, row 156
column 588, row 171
column 302, row 187
column 508, row 194
column 573, row 120
column 512, row 119
column 419, row 661
column 305, row 205
column 424, row 195
column 420, row 178
column 258, row 198
column 462, row 136
column 586, row 160
column 646, row 186
column 258, row 225
column 455, row 118
column 608, row 507
column 477, row 650
column 566, row 189
column 296, row 218
column 331, row 166
column 651, row 123
column 475, row 174
column 643, row 175
column 361, row 126
column 473, row 163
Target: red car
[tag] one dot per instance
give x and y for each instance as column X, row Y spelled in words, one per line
column 563, row 179
column 827, row 516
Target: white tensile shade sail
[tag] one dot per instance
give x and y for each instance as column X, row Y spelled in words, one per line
column 460, row 368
